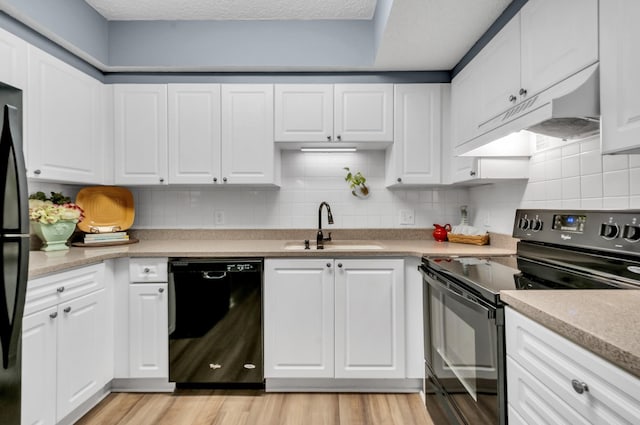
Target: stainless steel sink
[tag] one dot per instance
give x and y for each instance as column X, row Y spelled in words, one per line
column 336, row 246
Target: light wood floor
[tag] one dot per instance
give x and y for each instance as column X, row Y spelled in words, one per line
column 195, row 407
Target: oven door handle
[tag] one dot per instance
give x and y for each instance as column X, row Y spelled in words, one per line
column 457, row 292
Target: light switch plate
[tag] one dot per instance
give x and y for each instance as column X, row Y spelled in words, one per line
column 218, row 217
column 407, row 217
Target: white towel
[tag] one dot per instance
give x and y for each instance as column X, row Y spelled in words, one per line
column 467, row 230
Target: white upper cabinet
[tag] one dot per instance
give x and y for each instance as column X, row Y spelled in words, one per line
column 414, row 158
column 303, row 113
column 194, row 133
column 140, row 119
column 464, row 97
column 65, row 118
column 13, row 60
column 620, row 76
column 559, row 38
column 248, row 149
column 363, row 112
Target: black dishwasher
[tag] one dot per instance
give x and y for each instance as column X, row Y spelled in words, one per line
column 215, row 322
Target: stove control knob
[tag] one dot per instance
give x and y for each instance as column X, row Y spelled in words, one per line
column 536, row 225
column 609, row 231
column 631, row 233
column 523, row 223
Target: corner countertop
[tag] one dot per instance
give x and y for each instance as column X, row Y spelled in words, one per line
column 606, row 322
column 41, row 263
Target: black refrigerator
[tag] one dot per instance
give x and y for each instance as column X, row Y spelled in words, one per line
column 14, row 249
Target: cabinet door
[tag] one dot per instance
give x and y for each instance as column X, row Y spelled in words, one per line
column 148, row 331
column 499, row 68
column 463, row 168
column 363, row 112
column 620, row 76
column 415, row 155
column 194, row 133
column 247, row 134
column 13, row 60
column 298, row 318
column 82, row 350
column 559, row 38
column 465, row 104
column 65, row 119
column 140, row 119
column 303, row 112
column 369, row 314
column 39, row 367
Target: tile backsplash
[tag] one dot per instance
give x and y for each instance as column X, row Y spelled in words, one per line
column 575, row 175
column 307, row 180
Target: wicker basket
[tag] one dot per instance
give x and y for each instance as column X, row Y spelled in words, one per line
column 474, row 240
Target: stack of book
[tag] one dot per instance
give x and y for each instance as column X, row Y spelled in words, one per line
column 105, row 237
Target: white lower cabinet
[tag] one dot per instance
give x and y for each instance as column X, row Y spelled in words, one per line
column 334, row 318
column 551, row 380
column 148, row 330
column 66, row 353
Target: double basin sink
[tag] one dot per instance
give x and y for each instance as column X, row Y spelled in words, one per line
column 336, row 246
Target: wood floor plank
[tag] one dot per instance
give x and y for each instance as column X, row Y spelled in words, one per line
column 209, row 407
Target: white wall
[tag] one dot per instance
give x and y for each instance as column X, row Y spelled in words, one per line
column 574, row 176
column 307, row 180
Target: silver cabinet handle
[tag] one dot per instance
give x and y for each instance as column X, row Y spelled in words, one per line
column 340, row 265
column 53, row 315
column 161, row 180
column 512, row 98
column 399, row 179
column 523, row 92
column 339, row 137
column 579, row 386
column 224, row 179
column 60, row 289
column 328, row 138
column 215, row 179
column 161, row 290
column 329, row 265
column 67, row 310
column 37, row 172
column 146, row 270
column 472, row 173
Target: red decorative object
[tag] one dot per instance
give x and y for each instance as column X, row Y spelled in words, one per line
column 440, row 232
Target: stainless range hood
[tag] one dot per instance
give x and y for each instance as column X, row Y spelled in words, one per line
column 568, row 110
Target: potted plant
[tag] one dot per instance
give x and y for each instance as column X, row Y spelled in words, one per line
column 53, row 219
column 357, row 183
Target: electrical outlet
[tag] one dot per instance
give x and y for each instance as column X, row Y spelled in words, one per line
column 218, row 217
column 407, row 217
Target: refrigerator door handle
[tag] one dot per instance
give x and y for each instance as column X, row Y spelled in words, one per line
column 15, row 175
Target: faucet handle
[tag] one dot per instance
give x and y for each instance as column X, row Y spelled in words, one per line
column 328, row 238
column 306, row 244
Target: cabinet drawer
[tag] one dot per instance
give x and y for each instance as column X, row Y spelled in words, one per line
column 50, row 290
column 613, row 395
column 148, row 270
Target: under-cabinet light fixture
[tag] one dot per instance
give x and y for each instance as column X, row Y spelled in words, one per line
column 328, row 149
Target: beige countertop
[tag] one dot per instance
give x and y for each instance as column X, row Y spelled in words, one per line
column 41, row 263
column 606, row 322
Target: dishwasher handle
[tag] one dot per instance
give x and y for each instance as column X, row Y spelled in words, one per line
column 210, row 276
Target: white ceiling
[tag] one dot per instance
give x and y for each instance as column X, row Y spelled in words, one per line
column 419, row 35
column 176, row 10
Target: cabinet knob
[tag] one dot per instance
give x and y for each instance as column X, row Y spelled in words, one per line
column 67, row 310
column 472, row 173
column 328, row 138
column 329, row 265
column 339, row 137
column 339, row 265
column 399, row 179
column 224, row 179
column 215, row 179
column 37, row 172
column 53, row 315
column 161, row 180
column 161, row 290
column 146, row 270
column 578, row 386
column 523, row 92
column 512, row 98
column 60, row 289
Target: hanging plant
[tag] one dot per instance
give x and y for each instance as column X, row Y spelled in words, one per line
column 357, row 183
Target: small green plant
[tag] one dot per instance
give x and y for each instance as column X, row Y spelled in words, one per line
column 356, row 182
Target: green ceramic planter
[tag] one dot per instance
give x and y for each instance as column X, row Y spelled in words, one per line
column 54, row 236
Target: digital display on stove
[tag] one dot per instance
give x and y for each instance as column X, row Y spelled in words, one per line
column 569, row 223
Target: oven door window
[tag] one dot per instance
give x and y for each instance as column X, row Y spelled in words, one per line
column 464, row 353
